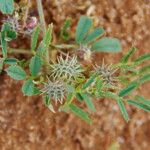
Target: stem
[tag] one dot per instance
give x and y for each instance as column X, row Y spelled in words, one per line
column 19, row 51
column 26, row 13
column 41, row 15
column 43, row 24
column 64, row 46
column 28, row 52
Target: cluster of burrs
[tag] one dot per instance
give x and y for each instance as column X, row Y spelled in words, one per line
column 64, row 72
column 55, row 90
column 67, row 69
column 107, row 73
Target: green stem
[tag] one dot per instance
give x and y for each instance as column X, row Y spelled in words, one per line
column 43, row 24
column 41, row 15
column 19, row 51
column 64, row 46
column 28, row 52
column 26, row 13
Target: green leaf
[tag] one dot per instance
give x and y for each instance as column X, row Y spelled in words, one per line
column 23, row 63
column 139, row 105
column 80, row 113
column 48, row 36
column 6, row 6
column 34, row 38
column 144, row 69
column 1, row 64
column 83, row 28
column 144, row 79
column 88, row 102
column 110, row 95
column 132, row 86
column 10, row 36
column 41, row 49
column 28, row 88
column 47, row 100
column 69, row 98
column 37, row 91
column 63, row 33
column 10, row 61
column 99, row 84
column 123, row 109
column 89, row 81
column 46, row 42
column 107, row 44
column 141, row 99
column 35, row 65
column 124, row 66
column 4, row 45
column 120, row 103
column 94, row 35
column 9, row 33
column 128, row 55
column 16, row 72
column 142, row 58
column 79, row 97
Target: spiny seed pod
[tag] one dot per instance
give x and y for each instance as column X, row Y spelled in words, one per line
column 55, row 90
column 66, row 69
column 107, row 73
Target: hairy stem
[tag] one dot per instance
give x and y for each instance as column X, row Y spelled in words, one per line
column 28, row 52
column 41, row 15
column 43, row 24
column 19, row 51
column 26, row 13
column 64, row 46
